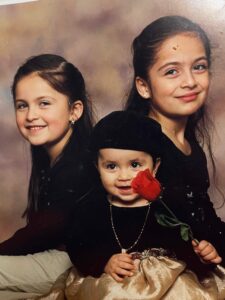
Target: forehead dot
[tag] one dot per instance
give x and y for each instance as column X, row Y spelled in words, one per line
column 175, row 47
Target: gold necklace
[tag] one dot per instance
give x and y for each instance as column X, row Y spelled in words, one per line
column 123, row 250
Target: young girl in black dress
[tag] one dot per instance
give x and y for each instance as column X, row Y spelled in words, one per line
column 171, row 60
column 54, row 115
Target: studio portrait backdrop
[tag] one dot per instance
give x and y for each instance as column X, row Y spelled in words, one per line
column 95, row 35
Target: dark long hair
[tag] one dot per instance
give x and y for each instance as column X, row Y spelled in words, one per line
column 65, row 78
column 145, row 49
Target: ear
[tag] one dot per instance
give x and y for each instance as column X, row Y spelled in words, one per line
column 156, row 166
column 143, row 88
column 76, row 110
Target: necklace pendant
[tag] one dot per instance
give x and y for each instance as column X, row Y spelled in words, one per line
column 123, row 250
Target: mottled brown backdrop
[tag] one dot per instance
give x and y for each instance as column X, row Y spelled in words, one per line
column 96, row 36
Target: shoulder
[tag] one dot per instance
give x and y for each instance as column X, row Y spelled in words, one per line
column 76, row 164
column 90, row 212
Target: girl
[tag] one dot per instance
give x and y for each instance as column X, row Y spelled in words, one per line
column 171, row 59
column 53, row 114
column 121, row 220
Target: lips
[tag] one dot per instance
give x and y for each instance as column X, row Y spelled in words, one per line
column 35, row 128
column 125, row 190
column 188, row 97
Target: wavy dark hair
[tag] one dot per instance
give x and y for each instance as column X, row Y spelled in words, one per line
column 145, row 49
column 65, row 78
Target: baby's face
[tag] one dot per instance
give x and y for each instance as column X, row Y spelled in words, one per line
column 117, row 168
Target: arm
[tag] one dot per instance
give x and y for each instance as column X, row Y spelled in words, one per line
column 47, row 228
column 44, row 232
column 89, row 242
column 211, row 227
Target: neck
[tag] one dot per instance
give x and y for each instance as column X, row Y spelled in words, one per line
column 121, row 203
column 174, row 129
column 54, row 150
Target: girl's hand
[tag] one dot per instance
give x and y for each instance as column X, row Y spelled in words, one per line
column 119, row 266
column 206, row 252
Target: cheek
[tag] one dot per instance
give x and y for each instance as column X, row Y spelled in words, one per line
column 205, row 84
column 204, row 81
column 160, row 92
column 57, row 115
column 19, row 121
column 58, row 124
column 107, row 179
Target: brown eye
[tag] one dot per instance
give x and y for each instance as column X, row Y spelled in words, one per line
column 111, row 166
column 44, row 103
column 135, row 164
column 171, row 72
column 200, row 67
column 20, row 105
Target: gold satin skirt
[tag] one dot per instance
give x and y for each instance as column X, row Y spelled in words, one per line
column 156, row 278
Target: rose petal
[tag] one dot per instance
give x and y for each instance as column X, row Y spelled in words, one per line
column 146, row 185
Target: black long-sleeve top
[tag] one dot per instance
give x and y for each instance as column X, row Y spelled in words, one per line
column 186, row 182
column 61, row 187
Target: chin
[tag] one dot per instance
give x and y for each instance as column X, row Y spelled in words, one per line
column 36, row 143
column 195, row 106
column 130, row 198
column 188, row 111
column 127, row 199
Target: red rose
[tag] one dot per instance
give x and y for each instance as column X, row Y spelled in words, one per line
column 146, row 185
column 149, row 188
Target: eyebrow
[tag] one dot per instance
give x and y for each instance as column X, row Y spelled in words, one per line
column 36, row 99
column 109, row 161
column 136, row 159
column 178, row 63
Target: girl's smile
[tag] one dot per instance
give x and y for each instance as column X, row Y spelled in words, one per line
column 35, row 128
column 125, row 190
column 188, row 97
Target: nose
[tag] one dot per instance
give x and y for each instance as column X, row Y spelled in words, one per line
column 124, row 175
column 31, row 114
column 188, row 80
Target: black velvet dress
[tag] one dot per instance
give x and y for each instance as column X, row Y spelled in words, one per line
column 61, row 187
column 186, row 181
column 92, row 242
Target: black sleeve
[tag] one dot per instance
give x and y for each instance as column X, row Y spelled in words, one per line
column 89, row 262
column 212, row 228
column 192, row 260
column 70, row 181
column 45, row 231
column 88, row 242
column 47, row 228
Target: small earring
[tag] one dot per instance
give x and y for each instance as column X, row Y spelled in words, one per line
column 72, row 122
column 146, row 95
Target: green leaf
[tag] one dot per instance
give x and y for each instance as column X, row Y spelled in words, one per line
column 171, row 222
column 185, row 232
column 166, row 221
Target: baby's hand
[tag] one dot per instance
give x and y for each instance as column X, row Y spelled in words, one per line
column 119, row 266
column 206, row 252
